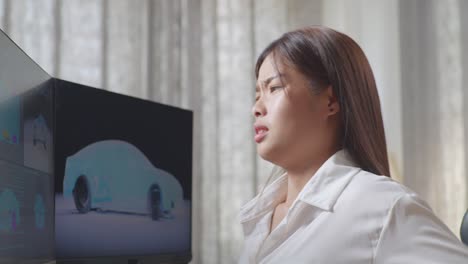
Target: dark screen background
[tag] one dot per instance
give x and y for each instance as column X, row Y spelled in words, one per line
column 86, row 115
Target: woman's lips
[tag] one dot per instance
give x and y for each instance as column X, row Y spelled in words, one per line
column 260, row 133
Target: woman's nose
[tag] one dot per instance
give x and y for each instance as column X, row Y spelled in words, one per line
column 259, row 108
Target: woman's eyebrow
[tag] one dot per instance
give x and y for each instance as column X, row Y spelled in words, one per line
column 269, row 79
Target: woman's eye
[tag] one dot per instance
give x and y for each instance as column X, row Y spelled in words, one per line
column 274, row 88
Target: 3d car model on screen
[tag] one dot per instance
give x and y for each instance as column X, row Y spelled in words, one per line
column 115, row 175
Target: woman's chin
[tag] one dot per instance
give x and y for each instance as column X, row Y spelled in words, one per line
column 266, row 152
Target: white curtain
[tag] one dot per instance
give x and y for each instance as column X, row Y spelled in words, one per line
column 434, row 114
column 200, row 54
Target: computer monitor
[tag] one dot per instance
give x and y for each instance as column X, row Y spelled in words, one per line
column 123, row 170
column 89, row 176
column 26, row 158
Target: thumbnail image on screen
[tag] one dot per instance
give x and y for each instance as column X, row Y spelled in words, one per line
column 26, row 128
column 123, row 175
column 26, row 213
column 11, row 147
column 10, row 121
column 37, row 127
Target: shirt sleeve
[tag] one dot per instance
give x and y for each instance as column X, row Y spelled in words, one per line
column 413, row 234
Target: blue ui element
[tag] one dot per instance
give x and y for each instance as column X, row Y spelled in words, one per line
column 10, row 218
column 10, row 120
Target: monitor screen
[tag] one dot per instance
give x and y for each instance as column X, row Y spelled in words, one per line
column 26, row 151
column 123, row 170
column 26, row 182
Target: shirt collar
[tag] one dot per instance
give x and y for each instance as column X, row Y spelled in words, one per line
column 326, row 186
column 322, row 190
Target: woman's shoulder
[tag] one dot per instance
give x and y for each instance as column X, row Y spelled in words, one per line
column 406, row 227
column 378, row 193
column 374, row 184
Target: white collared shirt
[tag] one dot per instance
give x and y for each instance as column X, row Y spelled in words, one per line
column 347, row 215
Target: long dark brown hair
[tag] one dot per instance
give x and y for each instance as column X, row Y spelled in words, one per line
column 330, row 58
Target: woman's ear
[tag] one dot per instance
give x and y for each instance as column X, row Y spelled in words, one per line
column 333, row 104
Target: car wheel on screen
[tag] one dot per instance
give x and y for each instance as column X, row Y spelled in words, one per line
column 82, row 195
column 154, row 202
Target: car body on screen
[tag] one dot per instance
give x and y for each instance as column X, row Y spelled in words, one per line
column 114, row 175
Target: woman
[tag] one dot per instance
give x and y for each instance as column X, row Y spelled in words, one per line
column 318, row 118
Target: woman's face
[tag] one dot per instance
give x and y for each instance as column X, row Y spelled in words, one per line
column 292, row 124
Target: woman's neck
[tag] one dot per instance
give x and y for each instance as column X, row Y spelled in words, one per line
column 298, row 176
column 296, row 182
